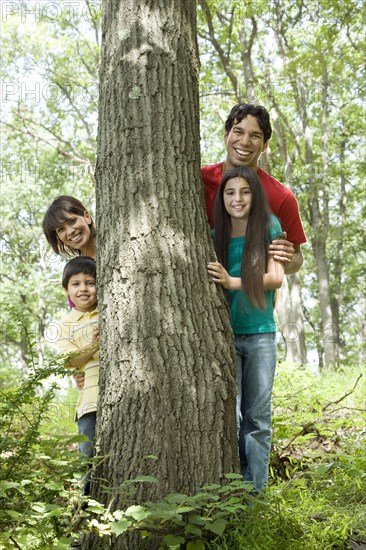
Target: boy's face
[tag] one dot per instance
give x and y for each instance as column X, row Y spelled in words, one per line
column 82, row 291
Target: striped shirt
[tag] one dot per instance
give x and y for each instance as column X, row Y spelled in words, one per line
column 76, row 336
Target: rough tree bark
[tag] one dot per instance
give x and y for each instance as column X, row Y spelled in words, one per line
column 167, row 384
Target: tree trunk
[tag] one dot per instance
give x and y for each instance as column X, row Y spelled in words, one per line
column 167, row 382
column 291, row 319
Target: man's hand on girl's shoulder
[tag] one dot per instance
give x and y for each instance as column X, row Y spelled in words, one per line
column 282, row 250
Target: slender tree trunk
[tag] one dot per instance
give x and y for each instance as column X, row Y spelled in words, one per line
column 289, row 306
column 167, row 383
column 319, row 222
column 318, row 241
column 291, row 319
column 335, row 254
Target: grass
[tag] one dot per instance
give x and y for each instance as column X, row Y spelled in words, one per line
column 317, row 493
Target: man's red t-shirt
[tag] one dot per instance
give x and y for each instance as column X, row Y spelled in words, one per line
column 281, row 200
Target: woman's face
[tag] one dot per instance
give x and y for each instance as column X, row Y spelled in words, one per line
column 75, row 232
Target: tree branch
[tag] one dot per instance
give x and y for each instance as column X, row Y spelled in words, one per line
column 225, row 60
column 344, row 396
column 63, row 152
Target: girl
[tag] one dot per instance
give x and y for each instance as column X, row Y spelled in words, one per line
column 69, row 228
column 244, row 228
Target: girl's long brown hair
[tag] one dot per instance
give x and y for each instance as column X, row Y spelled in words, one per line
column 257, row 237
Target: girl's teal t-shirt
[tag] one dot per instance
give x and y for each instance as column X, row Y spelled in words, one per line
column 246, row 318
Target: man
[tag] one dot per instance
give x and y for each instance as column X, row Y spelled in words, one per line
column 247, row 133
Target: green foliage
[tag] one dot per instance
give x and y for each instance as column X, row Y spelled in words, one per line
column 49, row 122
column 178, row 519
column 316, row 497
column 37, row 479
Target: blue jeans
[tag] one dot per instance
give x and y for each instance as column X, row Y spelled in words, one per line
column 86, row 426
column 256, row 364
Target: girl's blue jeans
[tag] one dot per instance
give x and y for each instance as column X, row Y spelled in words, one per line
column 256, row 364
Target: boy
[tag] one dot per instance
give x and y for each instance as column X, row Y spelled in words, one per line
column 79, row 344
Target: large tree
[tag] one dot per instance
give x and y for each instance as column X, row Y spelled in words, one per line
column 167, row 385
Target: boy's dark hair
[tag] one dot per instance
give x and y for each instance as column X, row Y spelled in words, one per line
column 81, row 264
column 56, row 216
column 242, row 110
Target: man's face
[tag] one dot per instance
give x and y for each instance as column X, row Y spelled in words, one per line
column 244, row 143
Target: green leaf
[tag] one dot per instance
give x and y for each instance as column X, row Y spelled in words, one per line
column 196, row 545
column 118, row 514
column 13, row 514
column 142, row 479
column 183, row 509
column 9, row 485
column 211, row 487
column 78, row 438
column 165, row 514
column 192, row 529
column 217, row 527
column 196, row 519
column 26, row 482
column 118, row 527
column 56, row 510
column 138, row 512
column 322, row 469
column 39, row 507
column 233, row 476
column 54, row 486
column 205, row 497
column 63, row 543
column 95, row 509
column 353, row 472
column 177, row 497
column 173, row 541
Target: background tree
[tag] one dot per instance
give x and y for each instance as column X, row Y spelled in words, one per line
column 49, row 98
column 49, row 115
column 49, row 94
column 167, row 384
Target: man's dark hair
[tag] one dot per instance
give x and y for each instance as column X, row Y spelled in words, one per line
column 242, row 110
column 81, row 264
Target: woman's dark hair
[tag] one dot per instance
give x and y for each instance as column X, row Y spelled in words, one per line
column 242, row 110
column 257, row 239
column 81, row 264
column 56, row 216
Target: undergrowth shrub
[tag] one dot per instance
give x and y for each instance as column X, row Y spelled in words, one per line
column 38, row 472
column 316, row 498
